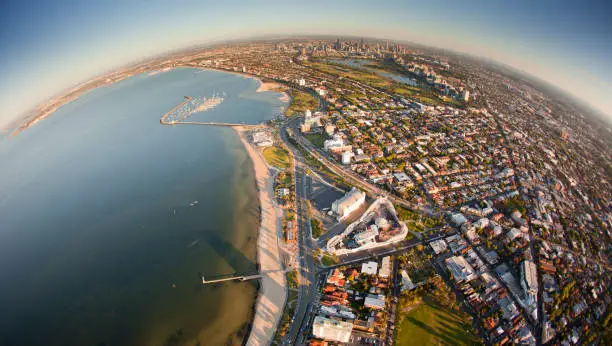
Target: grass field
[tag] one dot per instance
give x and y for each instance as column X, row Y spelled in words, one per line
column 317, row 228
column 317, row 138
column 277, row 157
column 424, row 93
column 429, row 323
column 300, row 102
column 328, row 260
column 359, row 75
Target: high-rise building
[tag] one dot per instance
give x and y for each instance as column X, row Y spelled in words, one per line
column 332, row 330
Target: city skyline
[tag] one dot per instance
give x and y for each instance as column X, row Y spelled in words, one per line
column 49, row 48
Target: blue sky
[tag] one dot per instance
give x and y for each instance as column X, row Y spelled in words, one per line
column 47, row 46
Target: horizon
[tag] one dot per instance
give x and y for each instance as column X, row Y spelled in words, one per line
column 582, row 72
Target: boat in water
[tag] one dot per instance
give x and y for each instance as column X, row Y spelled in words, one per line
column 193, row 105
column 209, row 103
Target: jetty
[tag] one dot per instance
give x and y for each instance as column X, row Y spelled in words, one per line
column 209, row 123
column 242, row 277
column 163, row 118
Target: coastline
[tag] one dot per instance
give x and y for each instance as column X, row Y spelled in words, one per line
column 46, row 108
column 267, row 86
column 273, row 288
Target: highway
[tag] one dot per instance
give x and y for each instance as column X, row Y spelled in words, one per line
column 307, row 268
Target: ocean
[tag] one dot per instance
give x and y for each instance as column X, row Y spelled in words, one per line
column 108, row 218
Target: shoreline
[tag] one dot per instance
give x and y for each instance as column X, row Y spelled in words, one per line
column 273, row 287
column 47, row 108
column 267, row 86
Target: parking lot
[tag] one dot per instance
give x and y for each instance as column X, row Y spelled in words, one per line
column 359, row 338
column 321, row 195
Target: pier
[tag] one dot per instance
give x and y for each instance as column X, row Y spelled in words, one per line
column 243, row 277
column 209, row 123
column 163, row 118
column 206, row 123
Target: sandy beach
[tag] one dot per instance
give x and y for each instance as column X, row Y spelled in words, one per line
column 268, row 86
column 273, row 289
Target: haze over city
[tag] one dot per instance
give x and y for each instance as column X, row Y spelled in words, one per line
column 49, row 46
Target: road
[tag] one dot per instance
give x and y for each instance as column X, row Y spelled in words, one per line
column 352, row 177
column 307, row 268
column 536, row 327
column 386, row 250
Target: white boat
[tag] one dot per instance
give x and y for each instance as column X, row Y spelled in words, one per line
column 209, row 103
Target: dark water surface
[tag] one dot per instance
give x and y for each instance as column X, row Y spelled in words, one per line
column 100, row 239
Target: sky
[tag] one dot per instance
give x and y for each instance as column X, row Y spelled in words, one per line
column 48, row 46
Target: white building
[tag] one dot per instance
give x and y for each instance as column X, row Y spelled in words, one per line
column 458, row 219
column 406, row 281
column 481, row 223
column 385, row 267
column 367, row 236
column 346, row 157
column 460, row 269
column 311, row 120
column 262, row 139
column 335, row 142
column 337, row 244
column 348, row 203
column 438, row 246
column 265, row 144
column 301, row 82
column 381, row 222
column 370, row 268
column 332, row 330
column 401, row 177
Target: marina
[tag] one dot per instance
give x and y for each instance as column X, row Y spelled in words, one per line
column 189, row 106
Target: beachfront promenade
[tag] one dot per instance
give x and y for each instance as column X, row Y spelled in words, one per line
column 273, row 291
